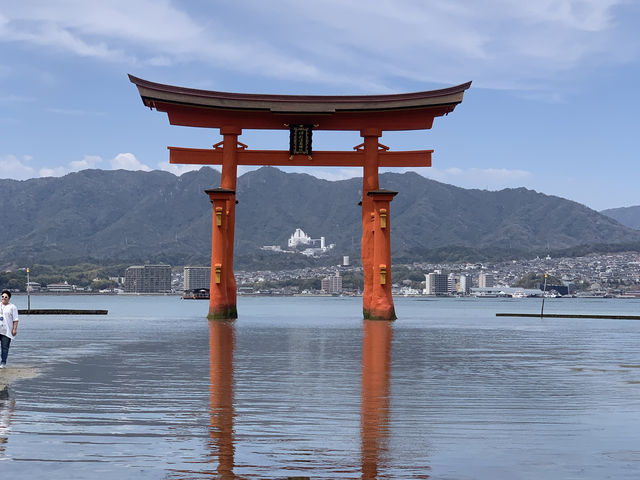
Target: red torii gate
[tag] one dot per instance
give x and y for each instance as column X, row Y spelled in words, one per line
column 301, row 114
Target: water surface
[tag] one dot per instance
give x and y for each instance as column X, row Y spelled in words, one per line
column 305, row 387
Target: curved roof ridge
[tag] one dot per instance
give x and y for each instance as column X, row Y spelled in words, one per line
column 279, row 98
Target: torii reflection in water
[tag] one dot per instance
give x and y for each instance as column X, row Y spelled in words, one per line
column 375, row 407
column 221, row 345
column 375, row 401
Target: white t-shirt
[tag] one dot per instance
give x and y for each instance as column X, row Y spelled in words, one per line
column 9, row 313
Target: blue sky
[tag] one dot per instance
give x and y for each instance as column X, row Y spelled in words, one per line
column 554, row 104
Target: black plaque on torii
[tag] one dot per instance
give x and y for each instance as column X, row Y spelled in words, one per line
column 300, row 140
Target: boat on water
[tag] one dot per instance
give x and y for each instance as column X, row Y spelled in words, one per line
column 196, row 294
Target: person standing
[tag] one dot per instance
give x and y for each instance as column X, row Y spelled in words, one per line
column 8, row 325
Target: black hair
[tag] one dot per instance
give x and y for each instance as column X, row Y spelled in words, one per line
column 7, row 292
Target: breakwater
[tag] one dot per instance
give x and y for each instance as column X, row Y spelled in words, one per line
column 61, row 311
column 570, row 315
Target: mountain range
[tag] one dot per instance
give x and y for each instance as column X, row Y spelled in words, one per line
column 629, row 216
column 119, row 216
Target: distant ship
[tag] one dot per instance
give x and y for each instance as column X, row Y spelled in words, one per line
column 196, row 294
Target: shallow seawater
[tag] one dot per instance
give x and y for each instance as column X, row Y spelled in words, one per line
column 304, row 387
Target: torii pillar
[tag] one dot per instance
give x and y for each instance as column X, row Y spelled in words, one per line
column 222, row 296
column 377, row 301
column 222, row 290
column 301, row 115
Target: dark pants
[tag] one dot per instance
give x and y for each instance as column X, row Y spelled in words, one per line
column 5, row 342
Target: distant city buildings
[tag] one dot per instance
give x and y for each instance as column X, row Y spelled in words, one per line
column 458, row 284
column 197, row 277
column 273, row 248
column 465, row 284
column 436, row 283
column 332, row 284
column 452, row 283
column 148, row 279
column 593, row 275
column 33, row 287
column 486, row 280
column 60, row 287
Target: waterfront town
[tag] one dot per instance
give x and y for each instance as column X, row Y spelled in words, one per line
column 615, row 274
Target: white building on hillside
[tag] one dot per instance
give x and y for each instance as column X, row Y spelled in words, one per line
column 299, row 238
column 316, row 246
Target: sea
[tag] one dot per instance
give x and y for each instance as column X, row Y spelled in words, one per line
column 303, row 387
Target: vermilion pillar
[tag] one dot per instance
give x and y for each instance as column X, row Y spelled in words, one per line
column 228, row 181
column 221, row 305
column 221, row 345
column 381, row 302
column 376, row 378
column 369, row 183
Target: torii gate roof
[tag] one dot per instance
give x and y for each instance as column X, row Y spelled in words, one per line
column 206, row 108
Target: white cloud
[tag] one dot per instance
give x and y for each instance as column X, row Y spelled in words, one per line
column 88, row 161
column 21, row 169
column 160, row 61
column 497, row 43
column 488, row 178
column 587, row 15
column 178, row 169
column 53, row 172
column 482, row 178
column 4, row 21
column 145, row 31
column 128, row 161
column 16, row 168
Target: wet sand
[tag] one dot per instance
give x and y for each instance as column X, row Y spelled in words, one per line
column 11, row 374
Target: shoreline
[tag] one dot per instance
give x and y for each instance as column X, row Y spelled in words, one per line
column 399, row 295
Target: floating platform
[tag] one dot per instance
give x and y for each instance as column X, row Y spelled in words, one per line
column 61, row 311
column 570, row 315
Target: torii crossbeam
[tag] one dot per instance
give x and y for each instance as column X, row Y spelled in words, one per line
column 232, row 113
